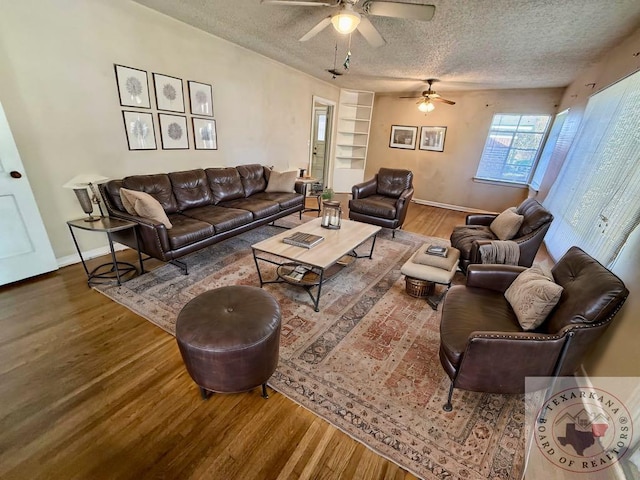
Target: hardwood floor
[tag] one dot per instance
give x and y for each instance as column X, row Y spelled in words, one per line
column 90, row 390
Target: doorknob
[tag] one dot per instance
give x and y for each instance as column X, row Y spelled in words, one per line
column 15, row 174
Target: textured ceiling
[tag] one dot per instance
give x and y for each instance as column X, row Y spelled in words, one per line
column 468, row 45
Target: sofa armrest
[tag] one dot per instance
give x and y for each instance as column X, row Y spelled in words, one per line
column 299, row 187
column 153, row 236
column 365, row 189
column 492, row 277
column 480, row 219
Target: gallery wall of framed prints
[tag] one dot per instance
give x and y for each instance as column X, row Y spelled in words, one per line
column 137, row 115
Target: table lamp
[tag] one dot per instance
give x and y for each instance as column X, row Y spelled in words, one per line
column 81, row 185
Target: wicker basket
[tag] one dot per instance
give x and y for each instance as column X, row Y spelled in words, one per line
column 419, row 288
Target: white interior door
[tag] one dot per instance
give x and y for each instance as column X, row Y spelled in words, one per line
column 319, row 159
column 25, row 250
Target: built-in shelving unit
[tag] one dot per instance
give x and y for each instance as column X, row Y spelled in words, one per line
column 352, row 140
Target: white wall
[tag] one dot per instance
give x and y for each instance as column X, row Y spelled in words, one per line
column 59, row 92
column 447, row 177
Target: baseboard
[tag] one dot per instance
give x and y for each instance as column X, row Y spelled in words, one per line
column 448, row 206
column 88, row 255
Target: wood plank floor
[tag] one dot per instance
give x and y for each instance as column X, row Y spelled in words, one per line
column 90, row 390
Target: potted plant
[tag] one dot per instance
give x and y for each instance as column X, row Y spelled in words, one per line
column 327, row 194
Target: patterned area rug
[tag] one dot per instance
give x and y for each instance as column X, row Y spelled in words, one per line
column 367, row 362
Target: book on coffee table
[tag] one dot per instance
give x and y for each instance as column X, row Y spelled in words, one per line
column 437, row 250
column 301, row 239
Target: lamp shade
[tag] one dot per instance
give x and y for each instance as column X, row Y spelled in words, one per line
column 84, row 180
column 346, row 21
column 81, row 185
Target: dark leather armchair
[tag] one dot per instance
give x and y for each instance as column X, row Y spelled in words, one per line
column 484, row 349
column 476, row 232
column 384, row 199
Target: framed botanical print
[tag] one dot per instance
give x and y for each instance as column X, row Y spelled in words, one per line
column 200, row 98
column 173, row 132
column 403, row 137
column 432, row 138
column 133, row 87
column 139, row 129
column 169, row 94
column 204, row 134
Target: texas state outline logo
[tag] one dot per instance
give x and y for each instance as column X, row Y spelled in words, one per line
column 583, row 429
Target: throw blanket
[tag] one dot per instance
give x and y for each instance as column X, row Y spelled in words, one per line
column 504, row 252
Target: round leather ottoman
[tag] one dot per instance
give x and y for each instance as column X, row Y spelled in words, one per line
column 229, row 339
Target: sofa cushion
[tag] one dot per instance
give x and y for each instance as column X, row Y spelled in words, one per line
column 392, row 182
column 259, row 208
column 191, row 189
column 158, row 186
column 286, row 200
column 463, row 237
column 225, row 184
column 507, row 224
column 281, row 181
column 143, row 205
column 223, row 219
column 188, row 230
column 375, row 205
column 253, row 179
column 532, row 295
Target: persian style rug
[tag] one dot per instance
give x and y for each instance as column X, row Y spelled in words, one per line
column 367, row 362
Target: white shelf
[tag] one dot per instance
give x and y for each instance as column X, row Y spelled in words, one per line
column 354, row 123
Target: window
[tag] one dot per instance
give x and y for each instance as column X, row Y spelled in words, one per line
column 512, row 147
column 595, row 200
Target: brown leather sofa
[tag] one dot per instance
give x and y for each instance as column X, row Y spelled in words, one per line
column 384, row 199
column 476, row 232
column 484, row 349
column 204, row 206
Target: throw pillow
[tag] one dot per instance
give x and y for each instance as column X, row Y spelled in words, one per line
column 532, row 295
column 507, row 224
column 282, row 181
column 143, row 205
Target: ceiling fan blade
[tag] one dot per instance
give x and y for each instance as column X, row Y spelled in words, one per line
column 370, row 33
column 400, row 10
column 317, row 29
column 443, row 100
column 410, row 97
column 307, row 3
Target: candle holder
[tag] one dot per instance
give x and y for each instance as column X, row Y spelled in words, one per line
column 331, row 215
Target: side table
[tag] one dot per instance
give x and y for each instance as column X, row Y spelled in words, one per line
column 306, row 181
column 115, row 269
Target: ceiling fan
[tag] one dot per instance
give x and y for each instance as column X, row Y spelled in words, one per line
column 347, row 19
column 425, row 104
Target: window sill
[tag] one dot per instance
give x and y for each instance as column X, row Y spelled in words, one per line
column 501, row 183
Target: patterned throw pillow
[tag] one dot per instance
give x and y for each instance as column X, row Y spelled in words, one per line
column 282, row 181
column 532, row 295
column 144, row 205
column 507, row 224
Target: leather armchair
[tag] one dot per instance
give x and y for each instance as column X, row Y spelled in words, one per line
column 484, row 349
column 384, row 199
column 476, row 232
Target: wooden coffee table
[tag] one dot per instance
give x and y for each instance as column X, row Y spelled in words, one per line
column 318, row 263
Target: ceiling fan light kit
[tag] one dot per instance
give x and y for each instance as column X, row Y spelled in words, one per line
column 426, row 106
column 346, row 21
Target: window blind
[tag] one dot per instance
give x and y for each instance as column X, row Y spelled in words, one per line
column 596, row 198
